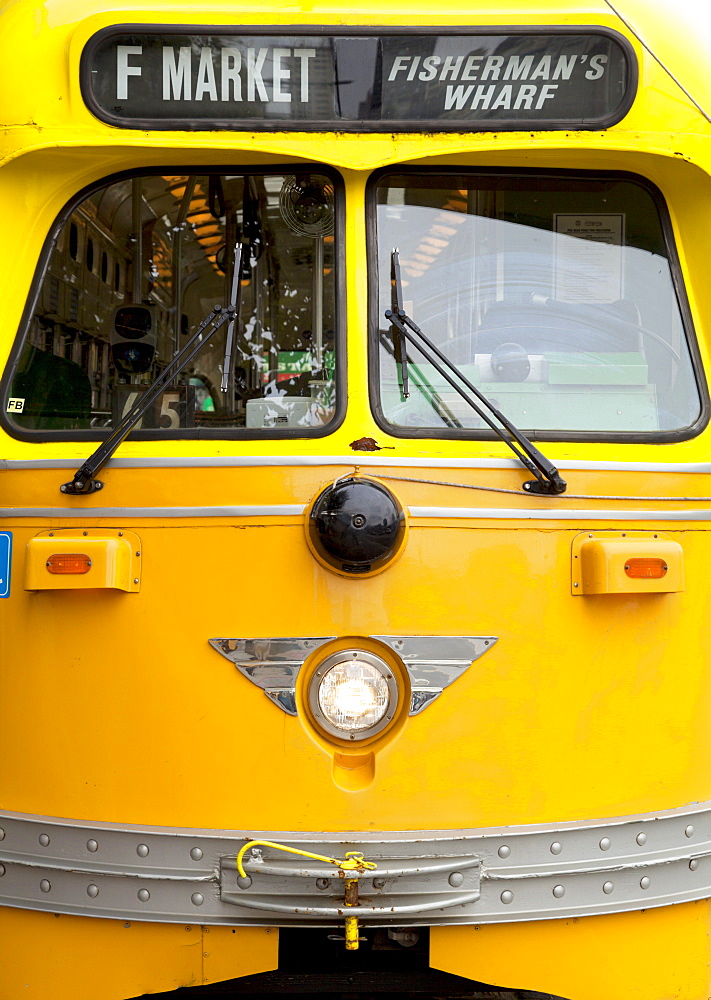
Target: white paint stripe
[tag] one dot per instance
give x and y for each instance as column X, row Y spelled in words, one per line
column 523, row 514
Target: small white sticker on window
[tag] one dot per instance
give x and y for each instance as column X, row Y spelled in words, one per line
column 15, row 405
column 589, row 266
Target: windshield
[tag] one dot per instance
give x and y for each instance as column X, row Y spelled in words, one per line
column 134, row 269
column 552, row 293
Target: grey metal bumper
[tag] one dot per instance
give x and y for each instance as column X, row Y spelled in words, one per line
column 490, row 875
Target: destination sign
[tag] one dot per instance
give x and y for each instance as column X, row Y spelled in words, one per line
column 379, row 81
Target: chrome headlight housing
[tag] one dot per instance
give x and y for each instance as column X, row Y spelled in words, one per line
column 353, row 694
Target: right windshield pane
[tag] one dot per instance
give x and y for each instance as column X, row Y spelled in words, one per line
column 552, row 293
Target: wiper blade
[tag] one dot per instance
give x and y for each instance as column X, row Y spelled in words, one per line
column 547, row 478
column 228, row 363
column 84, row 481
column 399, row 339
column 422, row 383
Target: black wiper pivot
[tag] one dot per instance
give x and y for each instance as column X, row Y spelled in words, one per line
column 547, row 478
column 84, row 481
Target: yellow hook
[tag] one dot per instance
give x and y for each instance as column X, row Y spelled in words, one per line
column 352, row 861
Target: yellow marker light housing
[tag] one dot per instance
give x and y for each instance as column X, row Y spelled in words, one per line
column 353, row 694
column 626, row 562
column 83, row 559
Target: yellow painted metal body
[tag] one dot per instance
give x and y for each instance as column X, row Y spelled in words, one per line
column 114, row 708
column 601, row 563
column 114, row 560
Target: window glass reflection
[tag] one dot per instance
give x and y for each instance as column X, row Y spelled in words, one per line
column 553, row 294
column 168, row 244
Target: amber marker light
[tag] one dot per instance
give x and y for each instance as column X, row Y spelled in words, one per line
column 646, row 569
column 69, row 562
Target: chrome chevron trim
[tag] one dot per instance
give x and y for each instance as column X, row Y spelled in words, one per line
column 433, row 662
column 472, row 876
column 272, row 664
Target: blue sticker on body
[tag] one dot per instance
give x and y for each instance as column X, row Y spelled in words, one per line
column 5, row 562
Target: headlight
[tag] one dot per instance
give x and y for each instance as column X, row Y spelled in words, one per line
column 353, row 694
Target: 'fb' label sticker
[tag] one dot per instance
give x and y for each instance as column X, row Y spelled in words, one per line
column 15, row 405
column 5, row 562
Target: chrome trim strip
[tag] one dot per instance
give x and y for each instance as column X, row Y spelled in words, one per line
column 381, row 914
column 255, row 510
column 297, row 510
column 534, row 872
column 351, row 461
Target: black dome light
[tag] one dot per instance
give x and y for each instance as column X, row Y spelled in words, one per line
column 356, row 526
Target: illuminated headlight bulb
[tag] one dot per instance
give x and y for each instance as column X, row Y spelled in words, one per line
column 353, row 694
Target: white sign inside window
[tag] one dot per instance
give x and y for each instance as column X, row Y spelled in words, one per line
column 588, row 257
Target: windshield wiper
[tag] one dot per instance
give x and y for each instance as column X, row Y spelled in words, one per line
column 84, row 481
column 547, row 478
column 421, row 382
column 397, row 309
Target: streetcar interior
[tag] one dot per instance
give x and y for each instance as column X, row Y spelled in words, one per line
column 554, row 294
column 135, row 268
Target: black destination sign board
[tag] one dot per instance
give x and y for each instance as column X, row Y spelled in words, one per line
column 376, row 80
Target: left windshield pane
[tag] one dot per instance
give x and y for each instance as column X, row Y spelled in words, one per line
column 135, row 268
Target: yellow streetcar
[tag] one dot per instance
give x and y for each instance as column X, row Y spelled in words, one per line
column 356, row 520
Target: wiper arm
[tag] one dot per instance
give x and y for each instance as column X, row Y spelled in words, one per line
column 547, row 478
column 84, row 481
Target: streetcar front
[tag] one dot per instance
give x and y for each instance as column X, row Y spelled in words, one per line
column 355, row 530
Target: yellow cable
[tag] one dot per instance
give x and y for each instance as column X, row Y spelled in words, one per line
column 352, row 860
